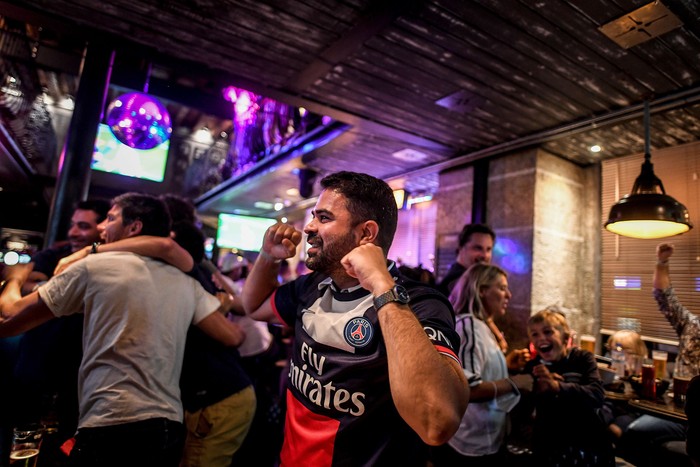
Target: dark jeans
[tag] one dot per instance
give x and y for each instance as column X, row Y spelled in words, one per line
column 156, row 442
column 642, row 443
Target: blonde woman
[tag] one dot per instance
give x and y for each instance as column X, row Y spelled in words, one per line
column 481, row 294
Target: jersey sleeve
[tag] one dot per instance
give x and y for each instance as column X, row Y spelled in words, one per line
column 285, row 302
column 437, row 319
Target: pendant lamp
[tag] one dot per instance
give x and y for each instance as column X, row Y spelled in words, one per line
column 648, row 212
column 138, row 120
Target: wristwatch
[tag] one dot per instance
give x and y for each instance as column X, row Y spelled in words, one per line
column 396, row 294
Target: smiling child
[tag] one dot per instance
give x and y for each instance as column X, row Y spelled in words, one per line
column 568, row 395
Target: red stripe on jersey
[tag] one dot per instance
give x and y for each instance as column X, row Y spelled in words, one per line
column 308, row 437
column 274, row 308
column 446, row 351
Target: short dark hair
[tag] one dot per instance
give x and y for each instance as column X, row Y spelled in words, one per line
column 180, row 209
column 468, row 230
column 189, row 237
column 151, row 211
column 98, row 206
column 368, row 198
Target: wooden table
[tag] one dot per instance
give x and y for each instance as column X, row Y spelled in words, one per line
column 662, row 408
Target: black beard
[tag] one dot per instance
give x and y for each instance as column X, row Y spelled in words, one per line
column 327, row 258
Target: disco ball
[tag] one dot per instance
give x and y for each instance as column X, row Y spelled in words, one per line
column 139, row 120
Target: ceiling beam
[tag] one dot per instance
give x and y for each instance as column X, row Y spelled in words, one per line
column 376, row 19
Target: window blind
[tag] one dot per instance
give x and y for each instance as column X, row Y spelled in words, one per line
column 628, row 263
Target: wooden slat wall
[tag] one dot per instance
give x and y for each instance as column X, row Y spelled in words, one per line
column 679, row 169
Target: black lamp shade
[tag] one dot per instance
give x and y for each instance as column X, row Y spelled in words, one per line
column 648, row 212
column 648, row 215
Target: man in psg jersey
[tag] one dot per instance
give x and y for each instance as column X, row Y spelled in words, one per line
column 373, row 370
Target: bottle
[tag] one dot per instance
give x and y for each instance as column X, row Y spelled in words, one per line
column 618, row 360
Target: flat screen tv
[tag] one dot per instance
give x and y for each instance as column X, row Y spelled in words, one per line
column 241, row 232
column 114, row 157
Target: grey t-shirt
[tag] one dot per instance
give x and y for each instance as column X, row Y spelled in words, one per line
column 137, row 312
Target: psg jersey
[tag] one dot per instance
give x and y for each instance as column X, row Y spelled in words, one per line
column 339, row 406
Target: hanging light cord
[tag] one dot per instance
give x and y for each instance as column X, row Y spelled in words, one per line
column 647, row 133
column 148, row 78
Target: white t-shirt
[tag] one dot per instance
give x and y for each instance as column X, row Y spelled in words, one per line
column 137, row 312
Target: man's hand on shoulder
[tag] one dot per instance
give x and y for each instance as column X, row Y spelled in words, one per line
column 63, row 263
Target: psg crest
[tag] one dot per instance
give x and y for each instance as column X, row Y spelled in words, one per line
column 358, row 332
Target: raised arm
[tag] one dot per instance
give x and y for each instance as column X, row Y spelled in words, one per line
column 429, row 390
column 164, row 248
column 280, row 242
column 662, row 279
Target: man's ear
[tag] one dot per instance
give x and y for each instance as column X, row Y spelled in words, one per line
column 369, row 232
column 135, row 228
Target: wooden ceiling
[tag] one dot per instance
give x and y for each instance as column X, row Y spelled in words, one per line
column 455, row 80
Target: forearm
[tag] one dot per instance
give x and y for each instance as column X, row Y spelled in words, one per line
column 261, row 282
column 20, row 314
column 11, row 294
column 164, row 248
column 35, row 278
column 662, row 278
column 429, row 391
column 489, row 390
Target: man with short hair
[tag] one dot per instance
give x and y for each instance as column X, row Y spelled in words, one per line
column 475, row 246
column 81, row 233
column 373, row 375
column 137, row 313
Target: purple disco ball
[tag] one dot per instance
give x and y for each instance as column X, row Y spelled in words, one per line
column 139, row 120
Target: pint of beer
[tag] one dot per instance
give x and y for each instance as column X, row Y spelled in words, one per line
column 660, row 357
column 588, row 342
column 681, row 379
column 26, row 442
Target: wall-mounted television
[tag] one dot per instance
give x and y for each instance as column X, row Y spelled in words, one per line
column 241, row 232
column 112, row 156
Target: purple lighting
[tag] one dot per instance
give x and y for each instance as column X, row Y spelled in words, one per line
column 139, row 120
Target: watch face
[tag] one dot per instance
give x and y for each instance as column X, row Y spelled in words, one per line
column 401, row 294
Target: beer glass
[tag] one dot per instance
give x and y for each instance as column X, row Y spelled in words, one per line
column 588, row 342
column 682, row 375
column 648, row 379
column 26, row 442
column 660, row 357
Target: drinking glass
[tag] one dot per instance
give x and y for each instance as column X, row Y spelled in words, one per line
column 26, row 442
column 660, row 358
column 648, row 379
column 682, row 374
column 587, row 342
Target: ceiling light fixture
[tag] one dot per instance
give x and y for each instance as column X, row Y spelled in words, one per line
column 648, row 212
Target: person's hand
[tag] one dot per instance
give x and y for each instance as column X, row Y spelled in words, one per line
column 367, row 264
column 226, row 300
column 517, row 359
column 546, row 381
column 664, row 251
column 523, row 382
column 63, row 263
column 280, row 241
column 19, row 272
